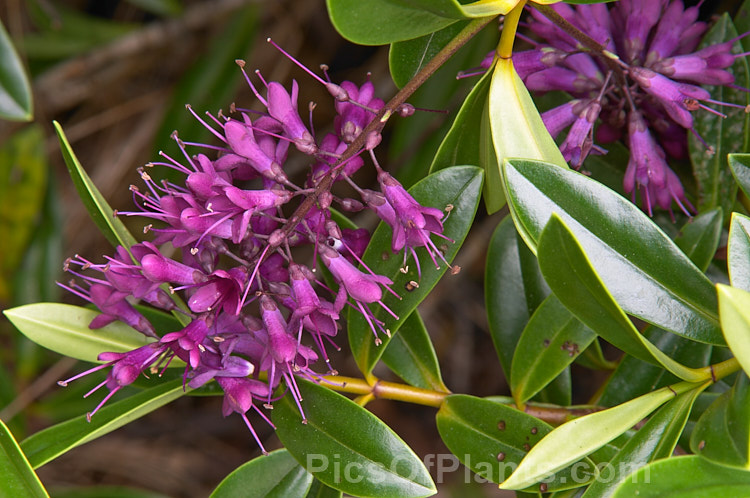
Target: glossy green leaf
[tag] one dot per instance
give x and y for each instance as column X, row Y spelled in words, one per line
column 320, row 490
column 517, row 128
column 48, row 444
column 688, row 476
column 492, row 439
column 738, row 252
column 461, row 144
column 559, row 391
column 18, row 477
column 608, row 168
column 740, row 166
column 64, row 328
column 15, row 90
column 593, row 358
column 460, row 187
column 407, row 58
column 634, row 377
column 513, row 289
column 461, row 8
column 348, row 448
column 699, row 238
column 99, row 210
column 655, row 440
column 716, row 185
column 23, row 183
column 722, row 434
column 581, row 436
column 274, row 475
column 411, row 355
column 550, row 342
column 571, row 277
column 379, row 22
column 644, row 270
column 493, row 192
column 734, row 311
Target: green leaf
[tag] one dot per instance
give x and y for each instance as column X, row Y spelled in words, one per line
column 15, row 91
column 99, row 210
column 634, row 377
column 320, row 490
column 738, row 252
column 64, row 328
column 23, row 183
column 459, row 187
column 550, row 342
column 688, row 476
column 19, row 478
column 571, row 277
column 655, row 440
column 644, row 270
column 379, row 22
column 581, row 436
column 48, row 444
column 461, row 144
column 274, row 475
column 407, row 58
column 516, row 126
column 734, row 310
column 559, row 391
column 411, row 355
column 454, row 8
column 513, row 289
column 722, row 434
column 593, row 358
column 716, row 185
column 699, row 237
column 740, row 166
column 348, row 448
column 491, row 439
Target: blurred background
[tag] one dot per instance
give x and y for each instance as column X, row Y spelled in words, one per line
column 116, row 74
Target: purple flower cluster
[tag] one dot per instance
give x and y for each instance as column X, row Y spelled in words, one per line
column 641, row 88
column 225, row 243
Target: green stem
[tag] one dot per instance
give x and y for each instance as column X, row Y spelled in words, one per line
column 508, row 36
column 374, row 388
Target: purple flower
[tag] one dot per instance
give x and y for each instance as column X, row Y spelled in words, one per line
column 651, row 70
column 238, row 398
column 225, row 246
column 649, row 173
column 678, row 99
column 125, row 369
column 411, row 222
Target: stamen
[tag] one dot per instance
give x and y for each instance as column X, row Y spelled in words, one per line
column 241, row 64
